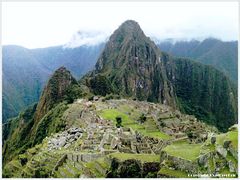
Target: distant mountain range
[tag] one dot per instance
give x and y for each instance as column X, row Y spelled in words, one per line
column 25, row 71
column 219, row 54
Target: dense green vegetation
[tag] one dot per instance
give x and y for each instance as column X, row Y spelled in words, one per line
column 52, row 122
column 130, row 66
column 33, row 125
column 206, row 93
column 16, row 132
column 219, row 54
column 25, row 137
column 135, row 67
column 22, row 88
column 100, row 85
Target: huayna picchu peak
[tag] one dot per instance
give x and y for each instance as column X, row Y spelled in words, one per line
column 140, row 113
column 131, row 65
column 134, row 66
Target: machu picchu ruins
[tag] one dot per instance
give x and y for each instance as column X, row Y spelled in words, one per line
column 93, row 146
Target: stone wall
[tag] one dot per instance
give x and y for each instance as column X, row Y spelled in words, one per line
column 84, row 157
column 60, row 162
column 132, row 168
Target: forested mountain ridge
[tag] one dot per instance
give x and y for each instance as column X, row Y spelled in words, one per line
column 221, row 55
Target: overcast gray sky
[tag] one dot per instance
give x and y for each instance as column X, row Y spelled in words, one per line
column 47, row 24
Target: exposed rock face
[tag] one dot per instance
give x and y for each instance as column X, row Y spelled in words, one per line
column 133, row 66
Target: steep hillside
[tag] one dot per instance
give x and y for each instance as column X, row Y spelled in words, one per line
column 44, row 118
column 205, row 92
column 26, row 71
column 165, row 143
column 23, row 80
column 131, row 65
column 219, row 54
column 55, row 91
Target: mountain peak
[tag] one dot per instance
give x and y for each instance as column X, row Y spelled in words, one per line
column 61, row 69
column 130, row 24
column 132, row 63
column 127, row 30
column 54, row 91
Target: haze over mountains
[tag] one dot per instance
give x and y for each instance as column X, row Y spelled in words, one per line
column 219, row 54
column 25, row 71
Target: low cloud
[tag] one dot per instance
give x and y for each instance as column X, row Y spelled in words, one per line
column 82, row 38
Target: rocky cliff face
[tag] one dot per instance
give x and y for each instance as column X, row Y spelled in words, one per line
column 132, row 65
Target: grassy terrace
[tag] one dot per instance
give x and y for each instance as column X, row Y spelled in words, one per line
column 129, row 119
column 184, row 150
column 141, row 157
column 231, row 135
column 173, row 173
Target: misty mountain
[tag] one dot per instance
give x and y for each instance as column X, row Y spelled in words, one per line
column 25, row 71
column 219, row 54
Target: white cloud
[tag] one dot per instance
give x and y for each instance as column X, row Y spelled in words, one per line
column 88, row 38
column 41, row 24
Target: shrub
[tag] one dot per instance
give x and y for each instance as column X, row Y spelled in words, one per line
column 119, row 121
column 163, row 124
column 142, row 118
